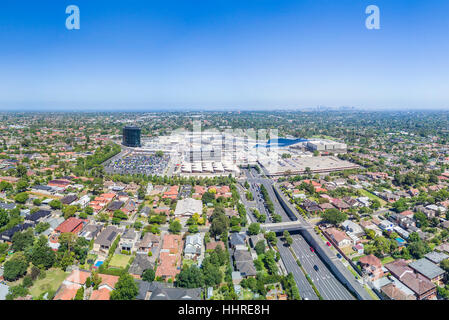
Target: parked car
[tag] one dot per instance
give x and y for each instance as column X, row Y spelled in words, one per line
column 312, row 249
column 339, row 256
column 316, row 268
column 328, row 244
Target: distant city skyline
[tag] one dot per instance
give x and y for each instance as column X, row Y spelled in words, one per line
column 216, row 55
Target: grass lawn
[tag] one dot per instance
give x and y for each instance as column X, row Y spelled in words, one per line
column 355, row 259
column 119, row 261
column 373, row 197
column 347, row 250
column 247, row 294
column 371, row 293
column 387, row 260
column 188, row 262
column 52, row 281
column 355, row 274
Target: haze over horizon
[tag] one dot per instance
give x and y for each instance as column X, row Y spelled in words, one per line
column 223, row 55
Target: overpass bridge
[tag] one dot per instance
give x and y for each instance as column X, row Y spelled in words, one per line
column 290, row 226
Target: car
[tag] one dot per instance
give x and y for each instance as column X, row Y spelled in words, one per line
column 316, row 268
column 339, row 256
column 312, row 249
column 328, row 244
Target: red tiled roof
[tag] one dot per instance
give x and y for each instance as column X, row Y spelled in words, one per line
column 371, row 260
column 73, row 225
column 101, row 294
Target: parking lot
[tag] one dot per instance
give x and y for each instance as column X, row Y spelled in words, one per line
column 148, row 164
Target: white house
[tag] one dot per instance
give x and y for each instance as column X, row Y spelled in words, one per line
column 193, row 246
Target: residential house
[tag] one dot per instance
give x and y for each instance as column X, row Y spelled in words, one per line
column 129, row 240
column 423, row 288
column 91, row 231
column 148, row 241
column 69, row 199
column 105, row 239
column 193, row 246
column 352, row 227
column 161, row 291
column 140, row 263
column 236, row 239
column 436, row 257
column 170, row 257
column 243, row 262
column 339, row 237
column 429, row 270
column 71, row 225
column 371, row 267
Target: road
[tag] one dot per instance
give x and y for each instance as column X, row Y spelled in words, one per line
column 328, row 286
column 305, row 289
column 258, row 202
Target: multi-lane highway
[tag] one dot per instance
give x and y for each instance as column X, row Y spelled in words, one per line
column 255, row 180
column 305, row 289
column 328, row 286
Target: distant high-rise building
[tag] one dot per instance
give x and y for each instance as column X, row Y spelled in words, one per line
column 131, row 136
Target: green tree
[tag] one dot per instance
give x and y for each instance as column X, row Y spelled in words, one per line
column 15, row 267
column 42, row 254
column 22, row 240
column 260, row 247
column 125, row 289
column 79, row 294
column 175, row 227
column 254, row 228
column 148, row 275
column 55, row 204
column 21, row 197
column 333, row 216
column 4, row 218
column 21, row 171
column 190, row 277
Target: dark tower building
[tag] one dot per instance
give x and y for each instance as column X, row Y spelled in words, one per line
column 131, row 137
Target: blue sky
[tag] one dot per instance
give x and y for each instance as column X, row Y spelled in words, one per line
column 223, row 54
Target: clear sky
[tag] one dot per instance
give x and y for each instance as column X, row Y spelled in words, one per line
column 223, row 54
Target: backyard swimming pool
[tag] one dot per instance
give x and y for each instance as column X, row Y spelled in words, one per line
column 98, row 264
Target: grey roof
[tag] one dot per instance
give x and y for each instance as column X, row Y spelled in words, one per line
column 256, row 238
column 45, row 188
column 140, row 264
column 428, row 269
column 91, row 231
column 130, row 234
column 115, row 205
column 160, row 291
column 4, row 289
column 436, row 257
column 7, row 206
column 69, row 199
column 38, row 215
column 107, row 236
column 145, row 210
column 55, row 222
column 236, row 239
column 246, row 268
column 242, row 255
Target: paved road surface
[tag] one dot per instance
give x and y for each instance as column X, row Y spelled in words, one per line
column 305, row 289
column 328, row 286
